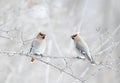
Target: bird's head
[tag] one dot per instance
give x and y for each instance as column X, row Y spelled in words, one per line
column 41, row 35
column 75, row 37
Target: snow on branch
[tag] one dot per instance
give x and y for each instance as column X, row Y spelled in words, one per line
column 39, row 58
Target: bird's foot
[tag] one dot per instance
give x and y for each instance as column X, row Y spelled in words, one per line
column 41, row 55
column 78, row 57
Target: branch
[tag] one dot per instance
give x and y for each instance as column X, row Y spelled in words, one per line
column 48, row 60
column 19, row 53
column 7, row 32
column 39, row 59
column 83, row 15
column 108, row 39
column 61, row 70
column 110, row 48
column 6, row 37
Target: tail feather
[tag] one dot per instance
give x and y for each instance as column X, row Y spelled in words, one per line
column 93, row 63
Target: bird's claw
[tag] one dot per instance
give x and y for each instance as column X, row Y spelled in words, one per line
column 41, row 55
column 78, row 57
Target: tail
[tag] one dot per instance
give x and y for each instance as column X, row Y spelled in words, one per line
column 93, row 63
column 30, row 50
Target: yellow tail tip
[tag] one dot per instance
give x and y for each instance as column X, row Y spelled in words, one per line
column 94, row 64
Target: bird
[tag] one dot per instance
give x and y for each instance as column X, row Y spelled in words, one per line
column 38, row 46
column 82, row 48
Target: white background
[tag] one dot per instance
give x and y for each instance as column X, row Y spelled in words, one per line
column 97, row 21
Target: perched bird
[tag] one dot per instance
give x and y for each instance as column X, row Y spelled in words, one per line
column 82, row 47
column 38, row 46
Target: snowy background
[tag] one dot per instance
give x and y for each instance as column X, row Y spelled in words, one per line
column 97, row 21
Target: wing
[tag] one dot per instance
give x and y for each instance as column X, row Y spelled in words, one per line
column 34, row 46
column 80, row 48
column 38, row 47
column 31, row 48
column 42, row 47
column 84, row 51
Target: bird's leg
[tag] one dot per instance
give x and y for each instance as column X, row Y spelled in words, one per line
column 41, row 55
column 78, row 57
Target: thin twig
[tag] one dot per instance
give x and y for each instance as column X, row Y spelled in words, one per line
column 6, row 37
column 39, row 59
column 108, row 39
column 51, row 57
column 109, row 48
column 61, row 70
column 48, row 60
column 24, row 54
column 83, row 15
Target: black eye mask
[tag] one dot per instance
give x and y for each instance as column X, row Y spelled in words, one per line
column 43, row 35
column 73, row 36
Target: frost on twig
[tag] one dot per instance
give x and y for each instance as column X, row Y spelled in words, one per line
column 82, row 16
column 109, row 49
column 49, row 56
column 6, row 37
column 54, row 40
column 108, row 39
column 48, row 60
column 6, row 32
column 39, row 59
column 48, row 63
column 19, row 53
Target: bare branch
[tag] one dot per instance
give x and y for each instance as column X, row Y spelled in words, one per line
column 48, row 60
column 38, row 58
column 83, row 15
column 110, row 48
column 61, row 70
column 6, row 37
column 108, row 39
